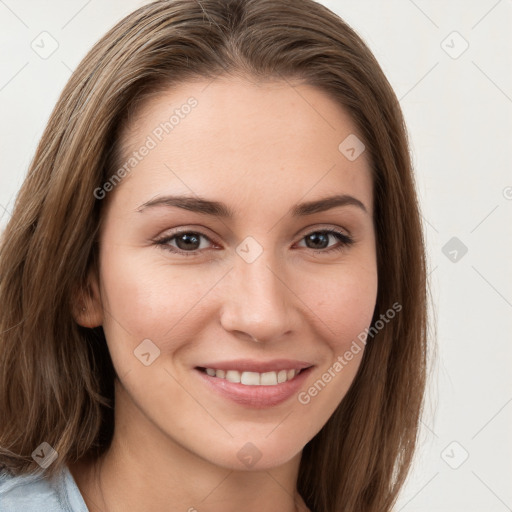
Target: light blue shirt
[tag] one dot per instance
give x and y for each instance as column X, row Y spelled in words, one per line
column 35, row 493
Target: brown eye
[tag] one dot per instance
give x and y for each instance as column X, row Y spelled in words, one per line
column 187, row 242
column 319, row 240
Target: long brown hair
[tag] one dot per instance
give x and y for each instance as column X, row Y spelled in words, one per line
column 56, row 378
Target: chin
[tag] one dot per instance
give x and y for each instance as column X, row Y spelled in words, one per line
column 255, row 453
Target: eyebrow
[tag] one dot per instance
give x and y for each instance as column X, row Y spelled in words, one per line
column 219, row 209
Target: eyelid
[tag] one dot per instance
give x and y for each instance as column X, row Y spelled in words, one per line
column 312, row 228
column 345, row 241
column 169, row 233
column 168, row 236
column 303, row 232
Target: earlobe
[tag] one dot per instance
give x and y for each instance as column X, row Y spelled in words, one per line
column 87, row 307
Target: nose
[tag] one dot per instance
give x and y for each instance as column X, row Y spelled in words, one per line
column 257, row 302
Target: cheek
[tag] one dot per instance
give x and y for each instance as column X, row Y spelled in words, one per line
column 148, row 300
column 343, row 303
column 343, row 311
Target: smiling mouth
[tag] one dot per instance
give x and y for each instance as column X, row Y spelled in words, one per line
column 254, row 378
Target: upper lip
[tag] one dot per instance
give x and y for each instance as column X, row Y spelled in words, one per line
column 251, row 365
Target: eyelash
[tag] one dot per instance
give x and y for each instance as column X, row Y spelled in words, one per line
column 345, row 240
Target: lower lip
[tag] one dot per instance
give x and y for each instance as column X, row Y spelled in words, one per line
column 257, row 397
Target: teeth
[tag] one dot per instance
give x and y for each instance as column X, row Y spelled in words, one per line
column 250, row 378
column 233, row 376
column 270, row 378
column 253, row 378
column 282, row 376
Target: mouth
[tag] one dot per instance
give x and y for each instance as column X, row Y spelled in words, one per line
column 255, row 385
column 248, row 378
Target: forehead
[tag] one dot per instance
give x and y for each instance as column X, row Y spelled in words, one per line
column 233, row 135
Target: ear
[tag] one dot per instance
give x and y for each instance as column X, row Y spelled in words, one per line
column 86, row 307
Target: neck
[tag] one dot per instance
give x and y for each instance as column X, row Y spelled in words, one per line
column 144, row 469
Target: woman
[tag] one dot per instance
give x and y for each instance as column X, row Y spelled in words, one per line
column 213, row 280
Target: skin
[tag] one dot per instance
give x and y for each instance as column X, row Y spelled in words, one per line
column 261, row 148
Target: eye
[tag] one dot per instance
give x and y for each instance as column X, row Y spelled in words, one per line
column 321, row 238
column 188, row 243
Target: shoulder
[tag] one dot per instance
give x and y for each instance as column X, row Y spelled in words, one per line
column 35, row 492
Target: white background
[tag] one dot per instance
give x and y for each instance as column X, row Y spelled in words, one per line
column 459, row 116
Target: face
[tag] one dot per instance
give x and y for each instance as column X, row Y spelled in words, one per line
column 195, row 296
